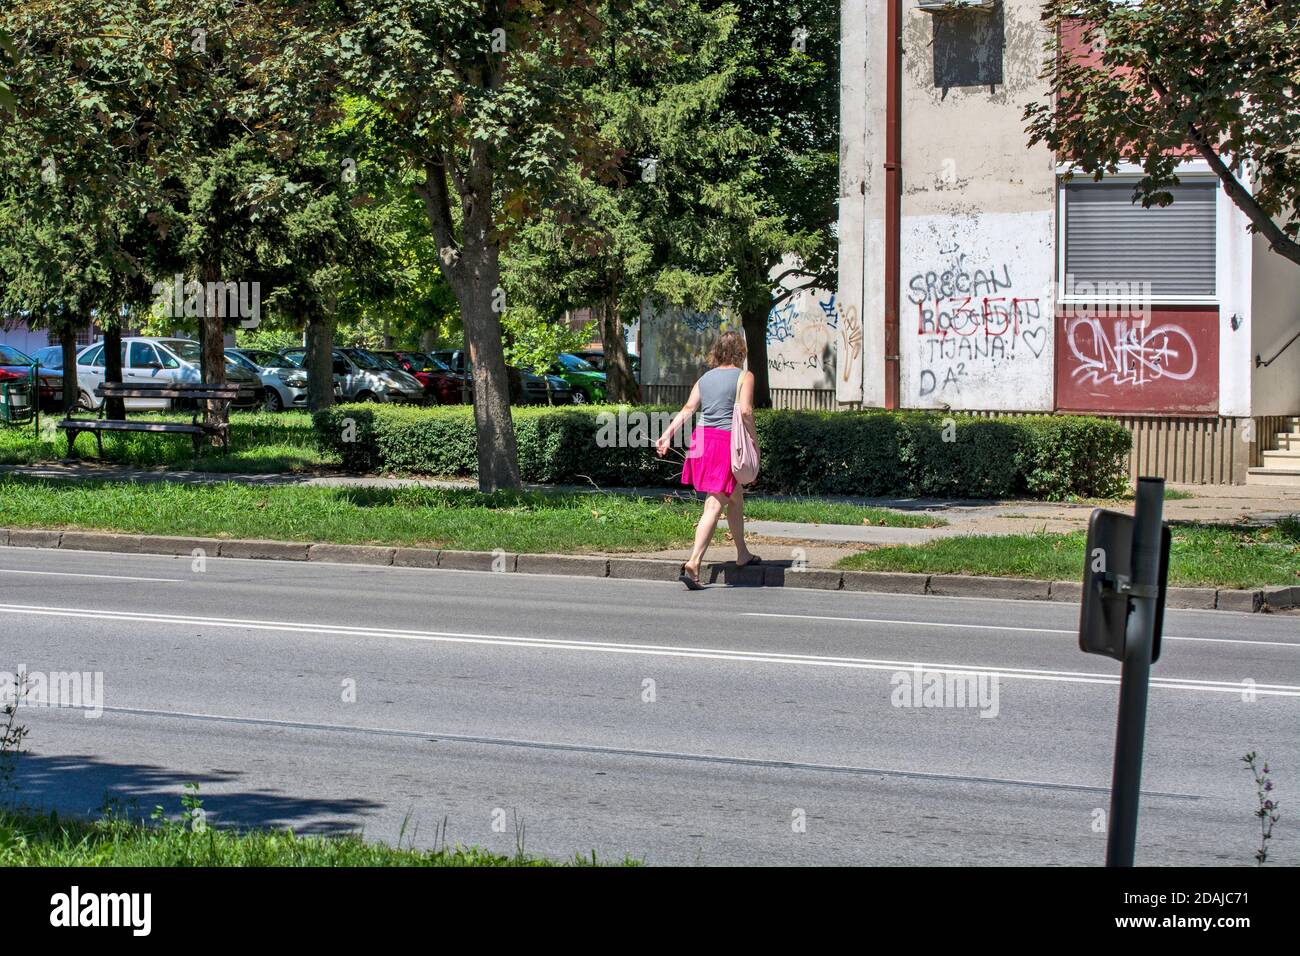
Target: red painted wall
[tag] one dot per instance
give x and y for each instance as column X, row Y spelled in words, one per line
column 1165, row 361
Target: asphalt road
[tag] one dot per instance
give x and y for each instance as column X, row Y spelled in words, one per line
column 732, row 726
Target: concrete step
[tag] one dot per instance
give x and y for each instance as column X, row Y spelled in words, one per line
column 1284, row 477
column 1282, row 458
column 1288, row 439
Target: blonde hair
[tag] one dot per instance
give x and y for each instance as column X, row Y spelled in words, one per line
column 729, row 349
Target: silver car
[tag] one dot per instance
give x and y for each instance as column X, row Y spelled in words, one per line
column 162, row 361
column 361, row 377
column 284, row 384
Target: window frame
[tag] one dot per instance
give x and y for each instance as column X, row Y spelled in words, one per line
column 1194, row 171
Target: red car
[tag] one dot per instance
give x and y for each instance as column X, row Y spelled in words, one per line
column 16, row 366
column 441, row 384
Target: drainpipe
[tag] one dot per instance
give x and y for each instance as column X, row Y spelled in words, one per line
column 893, row 197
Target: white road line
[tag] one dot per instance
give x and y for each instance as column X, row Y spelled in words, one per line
column 1005, row 627
column 651, row 650
column 107, row 577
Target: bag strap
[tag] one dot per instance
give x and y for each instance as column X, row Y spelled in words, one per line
column 740, row 380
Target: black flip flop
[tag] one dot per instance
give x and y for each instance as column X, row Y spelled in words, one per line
column 753, row 560
column 691, row 583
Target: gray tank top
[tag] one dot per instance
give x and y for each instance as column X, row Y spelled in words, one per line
column 718, row 397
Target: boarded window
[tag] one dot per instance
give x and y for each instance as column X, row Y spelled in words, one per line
column 1113, row 243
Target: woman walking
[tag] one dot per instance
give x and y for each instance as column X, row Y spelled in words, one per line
column 720, row 391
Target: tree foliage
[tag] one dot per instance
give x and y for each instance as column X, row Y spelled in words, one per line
column 1154, row 82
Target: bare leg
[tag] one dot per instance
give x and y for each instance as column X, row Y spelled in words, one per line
column 736, row 523
column 713, row 506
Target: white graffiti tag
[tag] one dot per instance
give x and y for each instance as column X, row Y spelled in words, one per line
column 1164, row 352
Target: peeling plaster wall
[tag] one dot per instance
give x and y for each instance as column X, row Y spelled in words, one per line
column 802, row 335
column 978, row 231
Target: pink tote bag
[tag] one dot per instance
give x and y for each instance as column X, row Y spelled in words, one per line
column 744, row 452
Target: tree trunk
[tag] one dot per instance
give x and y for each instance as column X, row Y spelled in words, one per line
column 212, row 340
column 498, row 455
column 320, row 362
column 71, row 390
column 473, row 268
column 113, row 407
column 754, row 322
column 620, row 385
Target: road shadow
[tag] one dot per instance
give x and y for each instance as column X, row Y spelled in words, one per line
column 86, row 785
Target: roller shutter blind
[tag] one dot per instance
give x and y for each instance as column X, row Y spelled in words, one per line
column 1109, row 238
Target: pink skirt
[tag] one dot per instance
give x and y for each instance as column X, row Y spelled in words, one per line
column 708, row 462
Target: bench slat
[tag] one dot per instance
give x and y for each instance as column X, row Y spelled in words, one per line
column 114, row 425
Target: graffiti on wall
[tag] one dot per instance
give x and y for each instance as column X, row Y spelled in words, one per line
column 976, row 300
column 1167, row 361
column 969, row 319
column 801, row 340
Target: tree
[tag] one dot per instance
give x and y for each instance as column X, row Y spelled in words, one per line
column 750, row 172
column 479, row 100
column 1147, row 81
column 605, row 247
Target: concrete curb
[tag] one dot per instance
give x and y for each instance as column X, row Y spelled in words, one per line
column 640, row 569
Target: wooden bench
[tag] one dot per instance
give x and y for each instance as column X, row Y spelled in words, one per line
column 197, row 430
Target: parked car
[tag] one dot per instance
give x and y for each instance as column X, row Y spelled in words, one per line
column 441, row 384
column 525, row 387
column 16, row 367
column 148, row 360
column 587, row 383
column 597, row 358
column 284, row 385
column 360, row 377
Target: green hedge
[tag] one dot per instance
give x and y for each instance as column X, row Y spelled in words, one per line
column 868, row 453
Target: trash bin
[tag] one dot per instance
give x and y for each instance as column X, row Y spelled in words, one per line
column 16, row 404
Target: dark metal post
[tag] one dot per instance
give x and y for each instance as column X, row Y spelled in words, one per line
column 1126, row 781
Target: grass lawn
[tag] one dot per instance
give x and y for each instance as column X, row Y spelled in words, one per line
column 531, row 522
column 260, row 442
column 29, row 839
column 1201, row 556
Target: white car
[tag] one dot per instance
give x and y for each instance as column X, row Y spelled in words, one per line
column 284, row 384
column 161, row 361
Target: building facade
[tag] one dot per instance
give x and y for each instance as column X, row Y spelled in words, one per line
column 1019, row 291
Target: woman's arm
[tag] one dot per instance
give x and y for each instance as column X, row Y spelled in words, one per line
column 692, row 403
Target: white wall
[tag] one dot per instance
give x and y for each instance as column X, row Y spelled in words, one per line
column 977, row 327
column 1275, row 284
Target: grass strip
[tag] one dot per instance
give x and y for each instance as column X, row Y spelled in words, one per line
column 1202, row 555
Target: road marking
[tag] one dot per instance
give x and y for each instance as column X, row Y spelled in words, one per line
column 106, row 577
column 1003, row 627
column 766, row 763
column 651, row 650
